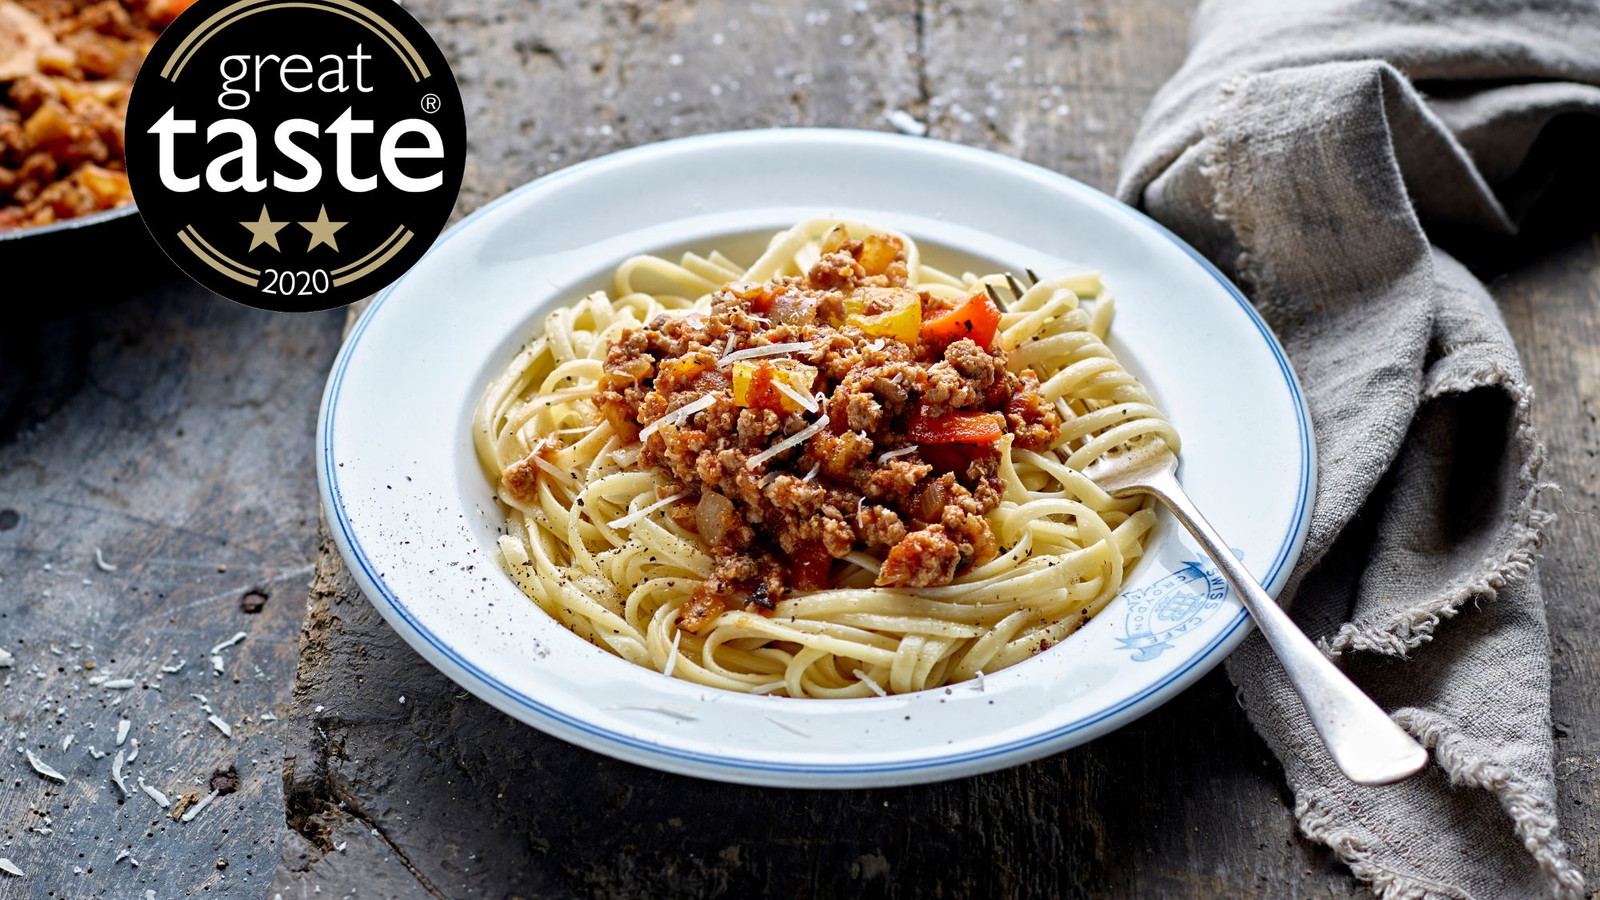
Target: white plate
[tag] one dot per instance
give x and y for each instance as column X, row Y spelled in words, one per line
column 415, row 519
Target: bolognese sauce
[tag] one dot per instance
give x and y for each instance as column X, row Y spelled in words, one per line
column 810, row 417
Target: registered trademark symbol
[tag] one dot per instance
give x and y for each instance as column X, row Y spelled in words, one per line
column 431, row 103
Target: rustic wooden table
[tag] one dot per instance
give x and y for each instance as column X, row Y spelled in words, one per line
column 172, row 433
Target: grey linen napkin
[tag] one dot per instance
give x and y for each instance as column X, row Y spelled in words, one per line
column 1321, row 152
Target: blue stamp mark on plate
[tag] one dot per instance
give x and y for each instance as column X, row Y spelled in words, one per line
column 1173, row 606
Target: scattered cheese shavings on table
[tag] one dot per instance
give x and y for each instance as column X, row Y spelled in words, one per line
column 10, row 868
column 120, row 684
column 40, row 767
column 173, row 670
column 906, row 123
column 122, row 730
column 6, row 659
column 116, row 775
column 100, row 560
column 134, row 753
column 239, row 636
column 195, row 810
column 154, row 794
column 224, row 727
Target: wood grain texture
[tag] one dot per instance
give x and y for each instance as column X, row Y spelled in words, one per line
column 172, row 431
column 1553, row 307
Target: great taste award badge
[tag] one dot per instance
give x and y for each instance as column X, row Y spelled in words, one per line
column 295, row 155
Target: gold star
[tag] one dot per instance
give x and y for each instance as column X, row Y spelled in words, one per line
column 264, row 231
column 322, row 230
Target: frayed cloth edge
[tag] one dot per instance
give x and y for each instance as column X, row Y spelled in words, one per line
column 1398, row 634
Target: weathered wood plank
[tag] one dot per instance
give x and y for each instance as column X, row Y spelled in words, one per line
column 172, row 431
column 1553, row 307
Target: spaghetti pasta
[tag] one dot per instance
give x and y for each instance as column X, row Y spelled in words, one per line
column 602, row 543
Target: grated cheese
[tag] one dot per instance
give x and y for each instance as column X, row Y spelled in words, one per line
column 892, row 454
column 799, row 437
column 758, row 352
column 122, row 730
column 672, row 658
column 154, row 794
column 116, row 775
column 224, row 727
column 195, row 810
column 867, row 680
column 807, row 403
column 43, row 769
column 678, row 415
column 631, row 518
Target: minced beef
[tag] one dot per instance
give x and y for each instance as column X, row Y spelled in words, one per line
column 66, row 68
column 862, row 482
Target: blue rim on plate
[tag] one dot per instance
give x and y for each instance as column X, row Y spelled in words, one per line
column 1206, row 656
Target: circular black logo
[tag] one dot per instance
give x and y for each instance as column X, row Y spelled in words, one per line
column 295, row 155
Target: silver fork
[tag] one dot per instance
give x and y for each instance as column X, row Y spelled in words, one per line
column 1364, row 742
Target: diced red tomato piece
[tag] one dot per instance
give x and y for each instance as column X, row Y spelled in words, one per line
column 978, row 318
column 957, row 428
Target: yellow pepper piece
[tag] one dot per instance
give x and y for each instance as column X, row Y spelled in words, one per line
column 902, row 321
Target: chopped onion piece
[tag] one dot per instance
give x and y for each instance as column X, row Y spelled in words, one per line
column 891, row 454
column 678, row 415
column 806, row 403
column 630, row 518
column 799, row 437
column 768, row 350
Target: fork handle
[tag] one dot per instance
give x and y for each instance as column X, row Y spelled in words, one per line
column 1364, row 742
